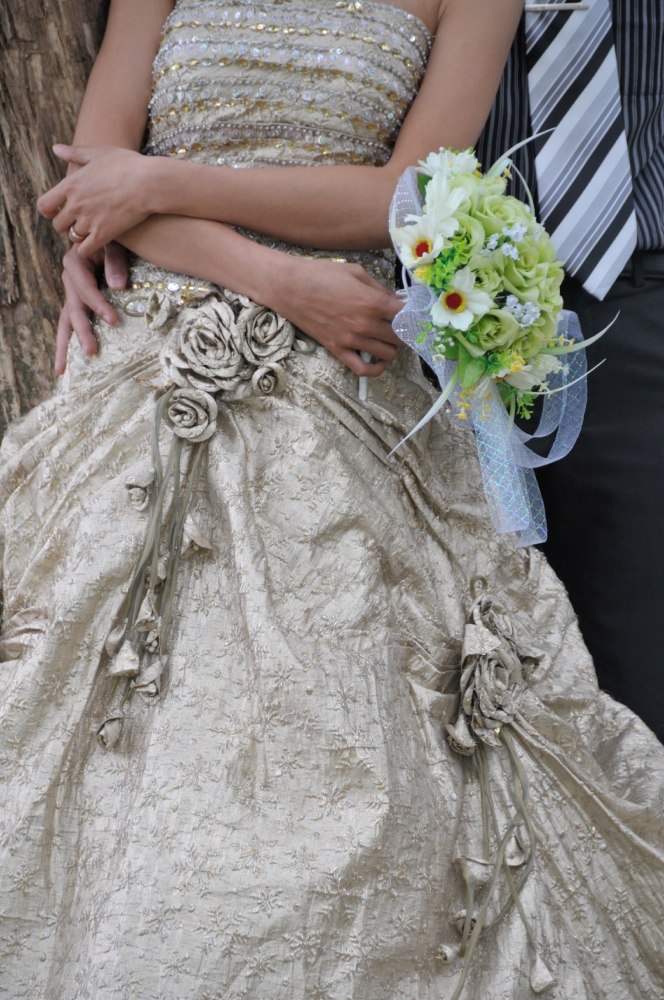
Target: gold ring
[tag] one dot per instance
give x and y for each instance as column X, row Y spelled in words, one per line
column 74, row 236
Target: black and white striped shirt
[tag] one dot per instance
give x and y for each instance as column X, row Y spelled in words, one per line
column 639, row 36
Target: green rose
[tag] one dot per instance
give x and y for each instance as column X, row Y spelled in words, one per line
column 471, row 185
column 469, row 235
column 496, row 211
column 496, row 330
column 550, row 297
column 530, row 278
column 545, row 248
column 487, row 278
column 489, row 186
column 537, row 336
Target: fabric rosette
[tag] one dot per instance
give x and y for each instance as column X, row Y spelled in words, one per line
column 267, row 379
column 494, row 672
column 192, row 414
column 496, row 666
column 265, row 336
column 204, row 349
column 226, row 347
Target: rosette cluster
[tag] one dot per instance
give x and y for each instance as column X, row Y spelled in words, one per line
column 494, row 671
column 226, row 346
column 493, row 275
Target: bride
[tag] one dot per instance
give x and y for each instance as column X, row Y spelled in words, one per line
column 251, row 776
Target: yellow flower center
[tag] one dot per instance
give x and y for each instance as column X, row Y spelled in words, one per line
column 423, row 272
column 455, row 301
column 516, row 363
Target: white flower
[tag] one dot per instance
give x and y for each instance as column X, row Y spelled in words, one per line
column 420, row 242
column 515, row 232
column 492, row 242
column 462, row 303
column 534, row 373
column 525, row 313
column 442, row 202
column 510, row 250
column 449, row 163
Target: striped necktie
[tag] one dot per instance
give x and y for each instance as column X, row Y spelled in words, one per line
column 583, row 172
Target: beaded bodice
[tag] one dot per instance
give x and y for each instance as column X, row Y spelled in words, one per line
column 285, row 82
column 280, row 83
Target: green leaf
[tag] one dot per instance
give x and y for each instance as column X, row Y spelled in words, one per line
column 525, row 404
column 505, row 392
column 470, row 369
column 422, row 182
column 426, row 327
column 475, row 352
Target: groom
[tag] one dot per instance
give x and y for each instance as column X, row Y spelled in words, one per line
column 596, row 76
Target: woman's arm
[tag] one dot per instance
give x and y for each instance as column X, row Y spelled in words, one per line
column 339, row 305
column 331, row 207
column 347, row 206
column 114, row 112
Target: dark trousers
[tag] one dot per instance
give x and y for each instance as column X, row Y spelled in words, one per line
column 605, row 501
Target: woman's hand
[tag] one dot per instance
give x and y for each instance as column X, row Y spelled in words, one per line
column 82, row 293
column 109, row 193
column 337, row 304
column 343, row 308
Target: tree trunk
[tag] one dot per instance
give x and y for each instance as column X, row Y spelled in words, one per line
column 46, row 50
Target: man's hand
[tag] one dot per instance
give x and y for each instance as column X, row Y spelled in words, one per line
column 82, row 294
column 108, row 194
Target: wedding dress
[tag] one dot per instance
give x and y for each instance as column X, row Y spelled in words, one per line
column 282, row 813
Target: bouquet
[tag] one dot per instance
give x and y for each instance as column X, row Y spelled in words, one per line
column 484, row 309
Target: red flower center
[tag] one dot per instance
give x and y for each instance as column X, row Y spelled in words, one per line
column 454, row 301
column 424, row 246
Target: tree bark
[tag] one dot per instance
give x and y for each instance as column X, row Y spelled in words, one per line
column 46, row 50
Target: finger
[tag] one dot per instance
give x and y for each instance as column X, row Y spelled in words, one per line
column 360, row 367
column 82, row 276
column 116, row 271
column 79, row 319
column 62, row 341
column 379, row 349
column 385, row 332
column 73, row 154
column 385, row 303
column 84, row 285
column 368, row 279
column 93, row 241
column 378, row 329
column 389, row 305
column 52, row 201
column 362, row 275
column 65, row 218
